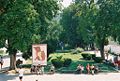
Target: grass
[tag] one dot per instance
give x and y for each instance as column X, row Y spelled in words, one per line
column 76, row 59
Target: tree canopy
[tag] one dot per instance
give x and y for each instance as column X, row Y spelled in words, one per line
column 21, row 20
column 96, row 21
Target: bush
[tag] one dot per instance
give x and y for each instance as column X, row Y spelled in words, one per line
column 57, row 63
column 67, row 62
column 88, row 56
column 59, row 57
column 25, row 66
column 93, row 56
column 84, row 56
column 98, row 59
column 49, row 58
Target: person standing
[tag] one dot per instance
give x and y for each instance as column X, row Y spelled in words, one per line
column 21, row 72
column 92, row 69
column 88, row 68
column 1, row 61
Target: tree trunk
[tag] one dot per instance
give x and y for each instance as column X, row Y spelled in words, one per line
column 102, row 49
column 12, row 61
column 12, row 52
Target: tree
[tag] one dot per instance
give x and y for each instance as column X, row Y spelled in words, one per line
column 17, row 25
column 47, row 9
column 53, row 35
column 86, row 15
column 70, row 23
column 23, row 23
column 106, row 20
column 102, row 17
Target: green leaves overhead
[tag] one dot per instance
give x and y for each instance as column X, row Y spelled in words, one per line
column 97, row 20
column 21, row 19
column 18, row 24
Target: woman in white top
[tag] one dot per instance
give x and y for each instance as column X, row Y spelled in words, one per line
column 21, row 71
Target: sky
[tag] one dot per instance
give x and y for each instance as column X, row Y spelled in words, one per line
column 66, row 3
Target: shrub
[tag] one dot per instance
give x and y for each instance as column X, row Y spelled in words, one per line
column 84, row 56
column 59, row 57
column 49, row 58
column 67, row 62
column 93, row 56
column 57, row 63
column 88, row 56
column 25, row 66
column 98, row 59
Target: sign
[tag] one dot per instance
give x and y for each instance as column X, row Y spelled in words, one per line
column 39, row 54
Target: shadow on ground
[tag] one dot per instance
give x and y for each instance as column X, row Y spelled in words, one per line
column 6, row 77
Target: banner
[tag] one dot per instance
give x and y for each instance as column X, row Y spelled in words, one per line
column 39, row 54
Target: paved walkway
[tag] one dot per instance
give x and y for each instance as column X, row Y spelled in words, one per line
column 63, row 77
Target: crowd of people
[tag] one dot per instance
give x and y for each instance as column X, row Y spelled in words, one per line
column 39, row 69
column 90, row 69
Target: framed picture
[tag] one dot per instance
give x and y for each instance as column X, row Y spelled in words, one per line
column 39, row 54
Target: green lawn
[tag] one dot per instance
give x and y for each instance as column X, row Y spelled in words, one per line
column 74, row 57
column 77, row 59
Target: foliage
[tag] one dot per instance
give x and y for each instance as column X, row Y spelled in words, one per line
column 23, row 23
column 98, row 59
column 53, row 34
column 96, row 21
column 88, row 56
column 66, row 55
column 16, row 29
column 67, row 62
column 57, row 63
column 69, row 23
column 48, row 59
column 59, row 57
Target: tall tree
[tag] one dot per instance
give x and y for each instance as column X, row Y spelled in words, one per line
column 70, row 22
column 86, row 12
column 21, row 20
column 17, row 25
column 102, row 16
column 47, row 9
